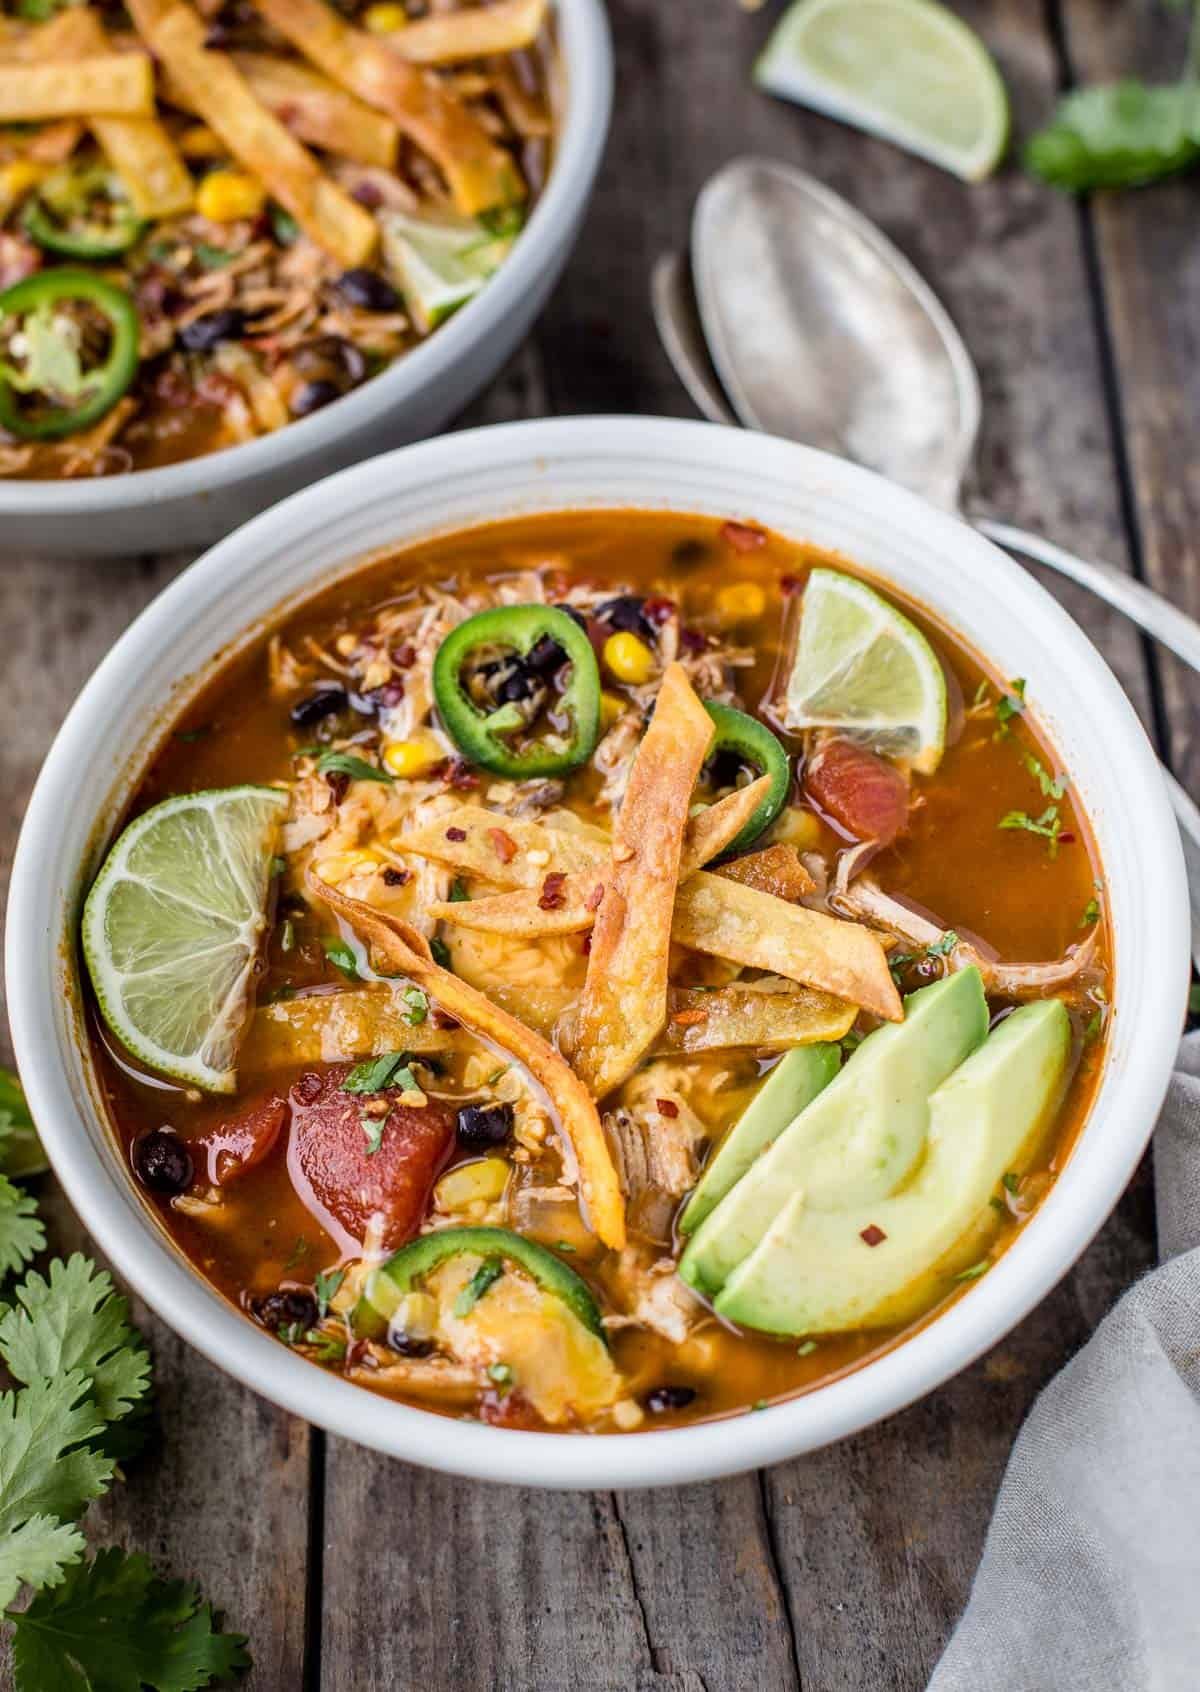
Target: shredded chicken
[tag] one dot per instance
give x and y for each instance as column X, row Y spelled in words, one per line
column 654, row 1297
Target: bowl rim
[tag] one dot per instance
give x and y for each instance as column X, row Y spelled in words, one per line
column 1043, row 1253
column 586, row 47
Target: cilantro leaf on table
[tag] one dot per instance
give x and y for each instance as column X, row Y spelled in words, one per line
column 21, row 1234
column 37, row 1553
column 75, row 1320
column 113, row 1625
column 20, row 1149
column 1118, row 135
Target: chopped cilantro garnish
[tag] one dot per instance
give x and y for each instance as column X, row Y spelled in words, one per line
column 500, row 1373
column 325, row 1286
column 943, row 947
column 1194, row 998
column 1053, row 787
column 341, row 956
column 441, row 952
column 1091, row 913
column 806, row 1349
column 487, row 1274
column 345, row 763
column 1011, row 1182
column 299, row 1250
column 374, row 1074
column 852, row 1041
column 372, row 1127
column 418, row 1006
column 1048, row 825
column 1093, row 1027
column 897, row 964
column 1010, row 705
column 278, row 865
column 458, row 891
column 209, row 257
column 564, row 1245
column 975, row 1271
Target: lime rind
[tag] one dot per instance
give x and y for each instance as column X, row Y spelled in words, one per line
column 863, row 667
column 909, row 71
column 173, row 924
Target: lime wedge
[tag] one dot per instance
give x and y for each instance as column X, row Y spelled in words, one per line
column 21, row 1151
column 908, row 70
column 442, row 263
column 173, row 924
column 863, row 667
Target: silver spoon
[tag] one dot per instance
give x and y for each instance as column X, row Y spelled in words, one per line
column 821, row 331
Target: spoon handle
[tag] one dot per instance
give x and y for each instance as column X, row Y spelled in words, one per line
column 1149, row 610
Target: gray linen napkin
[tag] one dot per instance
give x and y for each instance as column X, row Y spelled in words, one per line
column 1090, row 1576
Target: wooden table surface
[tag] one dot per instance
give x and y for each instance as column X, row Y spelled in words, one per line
column 843, row 1571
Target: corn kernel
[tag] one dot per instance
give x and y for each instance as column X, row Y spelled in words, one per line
column 611, row 707
column 740, row 602
column 484, row 1180
column 227, row 195
column 628, row 658
column 411, row 759
column 797, row 827
column 198, row 141
column 18, row 178
column 628, row 1414
column 385, row 19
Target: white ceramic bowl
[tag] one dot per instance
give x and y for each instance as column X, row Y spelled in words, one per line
column 605, row 462
column 194, row 503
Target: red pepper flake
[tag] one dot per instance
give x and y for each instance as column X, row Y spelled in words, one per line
column 506, row 846
column 404, row 657
column 689, row 1018
column 691, row 640
column 596, row 897
column 552, row 897
column 1066, row 839
column 790, row 584
column 393, row 877
column 666, row 1107
column 743, row 537
column 456, row 834
column 658, row 610
column 873, row 1236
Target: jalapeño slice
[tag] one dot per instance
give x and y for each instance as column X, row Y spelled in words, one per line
column 401, row 1273
column 82, row 212
column 491, row 669
column 52, row 386
column 751, row 743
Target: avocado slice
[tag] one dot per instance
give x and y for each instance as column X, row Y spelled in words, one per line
column 815, row 1272
column 793, row 1083
column 858, row 1138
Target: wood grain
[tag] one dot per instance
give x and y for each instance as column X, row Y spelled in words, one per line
column 843, row 1571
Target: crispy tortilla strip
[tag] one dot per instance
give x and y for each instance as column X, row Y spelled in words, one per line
column 479, row 173
column 568, row 905
column 332, row 1027
column 398, row 949
column 450, row 37
column 776, row 869
column 624, row 1001
column 727, row 920
column 320, row 113
column 479, row 843
column 118, row 83
column 216, row 89
column 138, row 148
column 769, row 1014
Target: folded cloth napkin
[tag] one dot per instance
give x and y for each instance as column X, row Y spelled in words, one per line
column 1090, row 1576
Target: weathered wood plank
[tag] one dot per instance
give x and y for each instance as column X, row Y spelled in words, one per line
column 221, row 1495
column 1150, row 273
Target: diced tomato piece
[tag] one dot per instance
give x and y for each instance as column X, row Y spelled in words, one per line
column 337, row 1175
column 511, row 1411
column 233, row 1147
column 858, row 789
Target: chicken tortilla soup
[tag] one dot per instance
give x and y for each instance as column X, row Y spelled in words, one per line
column 599, row 971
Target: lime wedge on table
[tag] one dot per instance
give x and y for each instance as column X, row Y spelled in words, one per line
column 441, row 263
column 908, row 70
column 173, row 925
column 863, row 667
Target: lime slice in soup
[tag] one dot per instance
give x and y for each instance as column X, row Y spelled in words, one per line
column 443, row 263
column 908, row 70
column 173, row 925
column 862, row 667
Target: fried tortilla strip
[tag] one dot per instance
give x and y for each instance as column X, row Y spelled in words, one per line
column 511, row 851
column 398, row 949
column 217, row 90
column 567, row 904
column 479, row 173
column 319, row 112
column 448, row 38
column 776, row 869
column 727, row 920
column 138, row 148
column 770, row 1015
column 624, row 1003
column 121, row 84
column 332, row 1027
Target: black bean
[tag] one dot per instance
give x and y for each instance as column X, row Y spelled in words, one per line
column 665, row 1398
column 312, row 396
column 327, row 699
column 408, row 1345
column 626, row 614
column 368, row 289
column 545, row 656
column 330, row 358
column 207, row 332
column 509, row 680
column 289, row 1307
column 483, row 1126
column 577, row 617
column 162, row 1162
